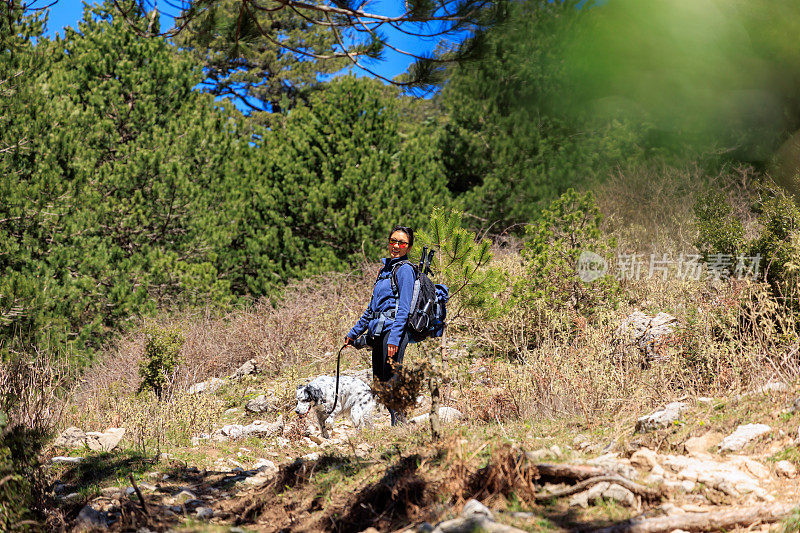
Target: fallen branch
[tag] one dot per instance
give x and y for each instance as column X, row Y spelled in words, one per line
column 139, row 494
column 711, row 521
column 645, row 492
column 570, row 472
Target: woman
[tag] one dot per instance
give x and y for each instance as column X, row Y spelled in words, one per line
column 386, row 316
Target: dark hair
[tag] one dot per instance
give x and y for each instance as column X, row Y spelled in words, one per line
column 408, row 231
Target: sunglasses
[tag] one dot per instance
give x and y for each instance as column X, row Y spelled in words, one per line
column 401, row 244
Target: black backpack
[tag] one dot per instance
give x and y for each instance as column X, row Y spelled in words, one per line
column 428, row 312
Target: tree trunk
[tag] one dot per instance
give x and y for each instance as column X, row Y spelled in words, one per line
column 433, row 384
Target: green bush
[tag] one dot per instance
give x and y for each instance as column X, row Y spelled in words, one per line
column 719, row 231
column 161, row 357
column 567, row 232
column 777, row 244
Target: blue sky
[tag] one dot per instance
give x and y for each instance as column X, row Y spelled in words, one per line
column 69, row 12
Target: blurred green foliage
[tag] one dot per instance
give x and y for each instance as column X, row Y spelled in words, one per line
column 509, row 146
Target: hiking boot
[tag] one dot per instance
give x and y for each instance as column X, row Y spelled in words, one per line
column 398, row 419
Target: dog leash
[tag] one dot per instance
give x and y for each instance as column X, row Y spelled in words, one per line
column 338, row 362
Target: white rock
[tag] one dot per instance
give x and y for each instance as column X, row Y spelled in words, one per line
column 260, row 428
column 313, row 456
column 249, row 367
column 556, row 449
column 620, row 494
column 786, row 469
column 662, row 418
column 722, row 476
column 265, row 465
column 476, row 508
column 703, row 443
column 671, row 509
column 645, row 458
column 60, row 459
column 105, row 441
column 184, row 496
column 743, row 435
column 207, row 386
column 643, row 332
column 754, row 467
column 580, row 500
column 446, row 415
column 611, row 462
column 259, row 480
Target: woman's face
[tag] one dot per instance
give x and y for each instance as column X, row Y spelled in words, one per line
column 398, row 244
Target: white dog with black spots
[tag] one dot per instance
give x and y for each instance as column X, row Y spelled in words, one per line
column 355, row 399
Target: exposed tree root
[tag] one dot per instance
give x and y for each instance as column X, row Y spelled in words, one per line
column 645, row 492
column 711, row 521
column 569, row 472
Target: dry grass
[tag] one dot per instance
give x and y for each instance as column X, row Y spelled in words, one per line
column 650, row 209
column 289, row 338
column 533, row 361
column 32, row 388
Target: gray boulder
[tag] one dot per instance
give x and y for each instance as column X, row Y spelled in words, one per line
column 248, row 368
column 90, row 519
column 72, row 437
column 643, row 332
column 259, row 404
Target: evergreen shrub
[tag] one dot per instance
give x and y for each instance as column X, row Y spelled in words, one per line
column 568, row 228
column 161, row 357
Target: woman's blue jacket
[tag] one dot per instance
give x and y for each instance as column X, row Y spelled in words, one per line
column 385, row 310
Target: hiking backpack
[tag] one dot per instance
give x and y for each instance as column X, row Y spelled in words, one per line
column 426, row 317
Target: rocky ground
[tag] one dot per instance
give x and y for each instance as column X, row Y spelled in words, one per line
column 696, row 464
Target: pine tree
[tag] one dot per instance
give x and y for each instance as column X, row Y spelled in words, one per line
column 334, row 178
column 260, row 58
column 462, row 263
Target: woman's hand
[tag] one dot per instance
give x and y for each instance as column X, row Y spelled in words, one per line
column 391, row 350
column 348, row 341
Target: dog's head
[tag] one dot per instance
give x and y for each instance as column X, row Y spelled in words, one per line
column 307, row 397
